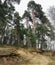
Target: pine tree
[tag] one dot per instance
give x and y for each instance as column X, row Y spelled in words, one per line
column 35, row 14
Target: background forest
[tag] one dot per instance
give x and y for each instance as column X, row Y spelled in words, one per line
column 32, row 30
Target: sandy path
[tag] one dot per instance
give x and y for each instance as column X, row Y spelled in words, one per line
column 34, row 59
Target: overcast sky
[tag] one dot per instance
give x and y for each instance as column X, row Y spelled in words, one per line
column 44, row 3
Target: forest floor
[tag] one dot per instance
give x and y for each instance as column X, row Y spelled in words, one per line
column 26, row 57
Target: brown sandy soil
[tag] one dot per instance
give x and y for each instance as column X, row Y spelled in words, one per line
column 24, row 57
column 34, row 58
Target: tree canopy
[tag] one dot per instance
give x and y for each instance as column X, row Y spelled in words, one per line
column 13, row 31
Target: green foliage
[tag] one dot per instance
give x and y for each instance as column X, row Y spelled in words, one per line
column 42, row 29
column 27, row 15
column 10, row 24
column 15, row 1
